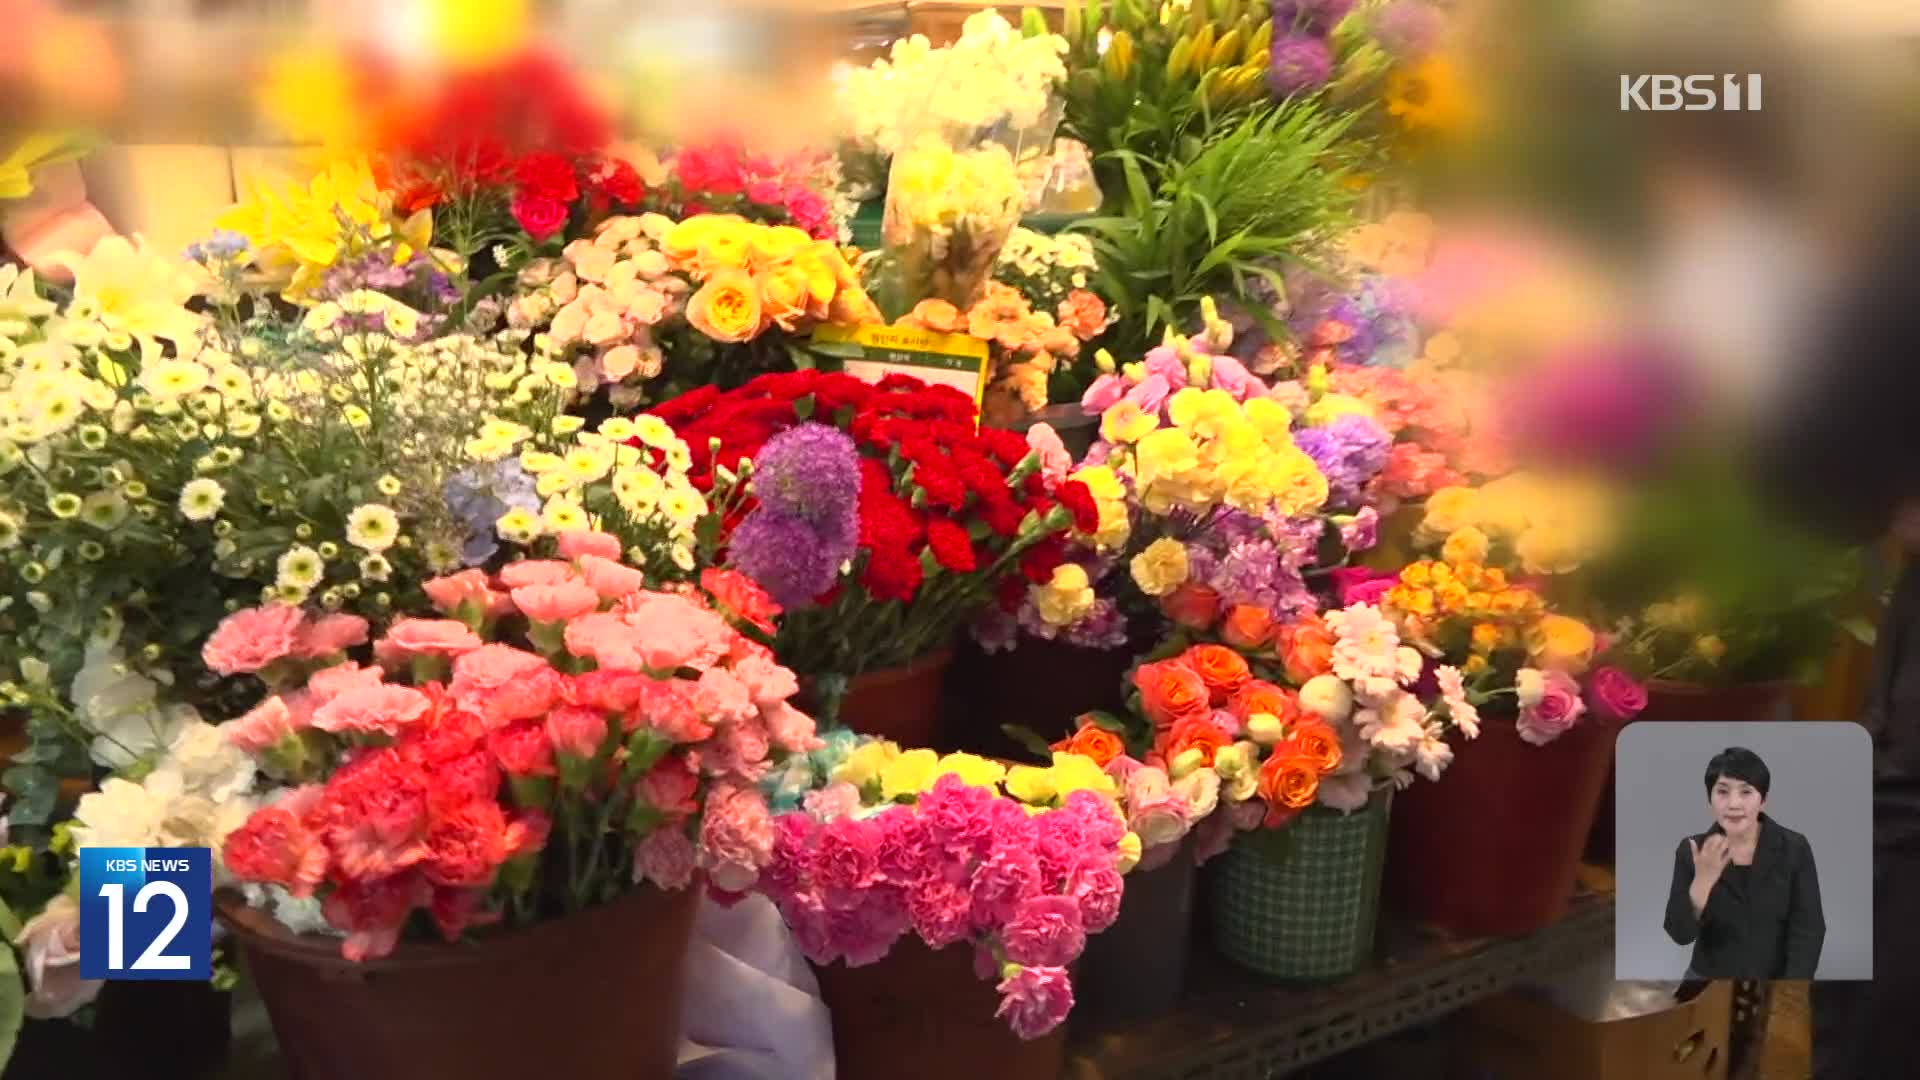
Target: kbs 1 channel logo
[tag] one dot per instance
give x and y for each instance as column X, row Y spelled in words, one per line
column 146, row 913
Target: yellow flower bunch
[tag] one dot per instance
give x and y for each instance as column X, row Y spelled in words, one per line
column 755, row 276
column 1213, row 451
column 1550, row 525
column 934, row 186
column 1042, row 787
column 301, row 231
column 1110, row 496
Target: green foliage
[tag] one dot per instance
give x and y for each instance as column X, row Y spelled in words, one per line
column 1254, row 196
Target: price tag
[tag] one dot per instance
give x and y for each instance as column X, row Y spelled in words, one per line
column 957, row 360
column 146, row 913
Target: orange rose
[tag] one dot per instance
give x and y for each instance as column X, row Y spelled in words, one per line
column 1083, row 313
column 1288, row 783
column 1247, row 626
column 1316, row 742
column 1306, row 648
column 1093, row 741
column 1192, row 606
column 1223, row 670
column 1169, row 691
column 1260, row 696
column 1196, row 733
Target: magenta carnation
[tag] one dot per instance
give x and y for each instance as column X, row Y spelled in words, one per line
column 1035, row 1000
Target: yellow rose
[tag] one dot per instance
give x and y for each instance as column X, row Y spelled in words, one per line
column 908, row 774
column 724, row 249
column 1126, row 422
column 1077, row 772
column 1465, row 545
column 862, row 767
column 1559, row 641
column 682, row 243
column 1031, row 785
column 769, row 246
column 784, row 294
column 1161, row 568
column 1067, row 597
column 973, row 770
column 727, row 308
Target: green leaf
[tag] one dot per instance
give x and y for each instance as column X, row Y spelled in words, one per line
column 13, row 1003
column 1029, row 740
column 1861, row 630
column 1106, row 721
column 35, row 790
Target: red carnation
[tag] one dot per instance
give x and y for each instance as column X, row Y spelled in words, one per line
column 951, row 547
column 466, row 843
column 540, row 216
column 891, row 575
column 548, row 176
column 1079, row 502
column 1009, row 447
column 1040, row 560
column 618, row 183
column 1003, row 515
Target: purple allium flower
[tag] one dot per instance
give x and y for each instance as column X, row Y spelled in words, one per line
column 1316, row 17
column 1035, row 1000
column 1350, row 451
column 785, row 556
column 811, row 472
column 1408, row 29
column 1301, row 65
column 1045, row 931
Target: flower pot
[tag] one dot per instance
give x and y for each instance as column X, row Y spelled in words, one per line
column 1493, row 848
column 1136, row 969
column 902, row 703
column 596, row 994
column 1039, row 685
column 1305, row 912
column 925, row 1013
column 1667, row 700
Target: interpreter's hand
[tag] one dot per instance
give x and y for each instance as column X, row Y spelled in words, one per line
column 1708, row 860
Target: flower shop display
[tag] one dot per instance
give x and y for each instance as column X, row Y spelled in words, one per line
column 1009, row 869
column 1027, row 347
column 556, row 750
column 882, row 518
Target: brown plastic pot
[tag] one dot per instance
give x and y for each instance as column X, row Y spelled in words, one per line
column 1680, row 701
column 1136, row 969
column 924, row 1013
column 902, row 703
column 1039, row 685
column 1492, row 849
column 595, row 995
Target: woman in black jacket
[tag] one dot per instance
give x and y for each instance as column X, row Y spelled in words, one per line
column 1745, row 893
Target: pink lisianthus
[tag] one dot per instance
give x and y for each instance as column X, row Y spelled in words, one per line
column 536, row 572
column 329, row 634
column 448, row 593
column 51, row 944
column 431, row 637
column 252, row 638
column 577, row 542
column 608, row 578
column 1555, row 714
column 385, row 709
column 665, row 857
column 556, row 603
column 1034, row 1000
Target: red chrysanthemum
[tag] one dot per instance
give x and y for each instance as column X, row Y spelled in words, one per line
column 950, row 545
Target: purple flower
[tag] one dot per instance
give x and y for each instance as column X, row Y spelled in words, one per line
column 1045, row 931
column 1301, row 65
column 1408, row 29
column 1317, row 17
column 1247, row 573
column 1350, row 451
column 1035, row 1000
column 811, row 472
column 1363, row 531
column 785, row 556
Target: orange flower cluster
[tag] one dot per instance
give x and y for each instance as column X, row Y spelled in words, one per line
column 1435, row 597
column 1027, row 344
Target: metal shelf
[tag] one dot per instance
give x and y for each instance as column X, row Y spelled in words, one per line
column 1232, row 1026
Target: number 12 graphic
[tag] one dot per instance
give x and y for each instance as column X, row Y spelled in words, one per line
column 153, row 903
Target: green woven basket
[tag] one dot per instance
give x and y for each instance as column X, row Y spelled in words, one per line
column 1308, row 913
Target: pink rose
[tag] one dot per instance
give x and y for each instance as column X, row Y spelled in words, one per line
column 577, row 542
column 665, row 858
column 329, row 634
column 576, row 731
column 536, row 572
column 386, row 709
column 555, row 603
column 251, row 638
column 609, row 578
column 448, row 593
column 1558, row 709
column 1618, row 693
column 1154, row 812
column 434, row 637
column 51, row 941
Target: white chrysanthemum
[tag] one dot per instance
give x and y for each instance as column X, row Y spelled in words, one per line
column 373, row 527
column 169, row 380
column 300, row 567
column 519, row 525
column 201, row 500
column 564, row 515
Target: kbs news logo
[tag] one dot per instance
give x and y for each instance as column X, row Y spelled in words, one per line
column 1692, row 93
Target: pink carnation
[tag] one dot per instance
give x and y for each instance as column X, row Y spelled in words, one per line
column 535, row 572
column 1055, row 460
column 576, row 732
column 612, row 691
column 668, row 707
column 329, row 634
column 386, row 709
column 263, row 726
column 941, row 910
column 330, row 682
column 1034, row 1000
column 1099, row 890
column 766, row 680
column 831, row 803
column 671, row 788
column 375, row 814
column 1045, row 931
column 526, row 696
column 555, row 603
column 438, row 637
column 736, row 836
column 478, row 673
column 607, row 639
column 788, row 728
column 721, row 698
column 845, row 861
column 527, row 833
column 448, row 593
column 251, row 638
column 680, row 632
column 577, row 542
column 1003, row 884
column 665, row 858
column 454, row 911
column 373, row 912
column 522, row 749
column 466, row 842
column 275, row 847
column 609, row 578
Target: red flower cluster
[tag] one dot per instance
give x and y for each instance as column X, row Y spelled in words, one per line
column 937, row 491
column 522, row 131
column 722, row 177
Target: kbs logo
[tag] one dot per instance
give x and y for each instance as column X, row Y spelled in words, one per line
column 1692, row 93
column 146, row 913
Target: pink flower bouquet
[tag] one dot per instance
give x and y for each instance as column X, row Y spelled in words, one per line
column 555, row 734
